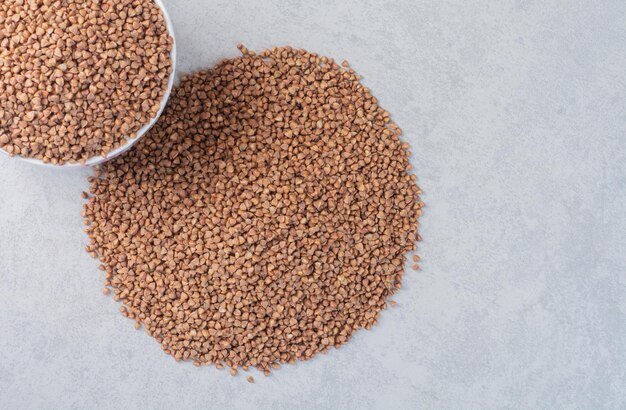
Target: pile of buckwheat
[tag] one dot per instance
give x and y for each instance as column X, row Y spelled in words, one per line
column 264, row 219
column 78, row 78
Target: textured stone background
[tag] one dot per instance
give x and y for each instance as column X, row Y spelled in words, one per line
column 516, row 115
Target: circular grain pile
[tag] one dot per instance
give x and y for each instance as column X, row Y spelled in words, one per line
column 78, row 78
column 264, row 219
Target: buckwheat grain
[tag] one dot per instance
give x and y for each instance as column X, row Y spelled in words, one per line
column 78, row 78
column 264, row 219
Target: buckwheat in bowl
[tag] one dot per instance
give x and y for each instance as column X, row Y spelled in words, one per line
column 81, row 81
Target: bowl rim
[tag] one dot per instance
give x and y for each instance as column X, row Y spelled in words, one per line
column 99, row 159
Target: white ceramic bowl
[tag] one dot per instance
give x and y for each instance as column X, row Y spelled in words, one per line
column 130, row 142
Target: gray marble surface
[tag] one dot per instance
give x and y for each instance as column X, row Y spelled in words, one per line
column 516, row 115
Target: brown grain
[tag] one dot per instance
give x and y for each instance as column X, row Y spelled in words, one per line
column 78, row 78
column 264, row 219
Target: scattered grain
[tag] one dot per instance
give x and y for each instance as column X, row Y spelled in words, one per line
column 266, row 216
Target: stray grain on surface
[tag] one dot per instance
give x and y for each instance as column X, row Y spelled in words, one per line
column 78, row 78
column 264, row 219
